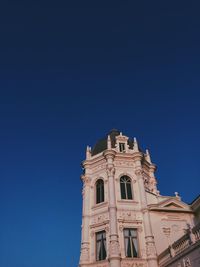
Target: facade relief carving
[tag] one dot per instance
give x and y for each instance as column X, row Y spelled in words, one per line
column 133, row 264
column 186, row 262
column 84, row 253
column 139, row 172
column 114, row 247
column 100, row 218
column 110, row 171
column 129, row 216
column 102, row 265
column 99, row 167
column 150, row 249
column 123, row 163
column 86, row 180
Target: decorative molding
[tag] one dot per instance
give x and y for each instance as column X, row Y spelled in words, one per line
column 86, row 179
column 120, row 163
column 100, row 219
column 84, row 252
column 114, row 247
column 167, row 231
column 139, row 172
column 151, row 250
column 133, row 263
column 110, row 171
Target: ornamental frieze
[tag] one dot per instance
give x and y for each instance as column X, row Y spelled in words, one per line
column 133, row 264
column 124, row 163
column 99, row 167
column 129, row 216
column 110, row 171
column 114, row 247
column 100, row 218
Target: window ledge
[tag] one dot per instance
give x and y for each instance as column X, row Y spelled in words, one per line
column 128, row 201
column 100, row 205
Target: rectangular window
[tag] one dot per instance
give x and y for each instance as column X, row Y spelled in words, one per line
column 101, row 246
column 121, row 147
column 131, row 243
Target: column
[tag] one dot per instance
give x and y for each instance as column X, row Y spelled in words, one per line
column 150, row 244
column 84, row 259
column 114, row 250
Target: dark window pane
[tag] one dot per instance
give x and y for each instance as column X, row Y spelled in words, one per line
column 129, row 193
column 131, row 243
column 98, row 194
column 123, row 192
column 129, row 248
column 121, row 147
column 102, row 193
column 99, row 191
column 101, row 246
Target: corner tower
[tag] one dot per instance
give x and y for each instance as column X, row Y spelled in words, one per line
column 116, row 227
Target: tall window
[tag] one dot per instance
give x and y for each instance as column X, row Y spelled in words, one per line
column 131, row 243
column 125, row 186
column 101, row 246
column 99, row 191
column 121, row 147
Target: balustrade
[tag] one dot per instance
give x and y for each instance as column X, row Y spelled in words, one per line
column 191, row 237
column 196, row 232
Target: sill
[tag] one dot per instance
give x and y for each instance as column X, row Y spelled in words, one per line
column 100, row 205
column 128, row 201
column 101, row 261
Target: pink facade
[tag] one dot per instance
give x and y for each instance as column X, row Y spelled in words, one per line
column 126, row 222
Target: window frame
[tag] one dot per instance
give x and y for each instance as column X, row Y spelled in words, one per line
column 122, row 147
column 132, row 238
column 125, row 188
column 102, row 232
column 101, row 193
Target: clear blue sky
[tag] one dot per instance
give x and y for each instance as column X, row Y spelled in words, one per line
column 68, row 74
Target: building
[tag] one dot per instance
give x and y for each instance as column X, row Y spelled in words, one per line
column 126, row 222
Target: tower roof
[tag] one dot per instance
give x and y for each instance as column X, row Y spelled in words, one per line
column 101, row 145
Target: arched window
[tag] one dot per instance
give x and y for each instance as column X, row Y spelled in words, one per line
column 99, row 191
column 125, row 186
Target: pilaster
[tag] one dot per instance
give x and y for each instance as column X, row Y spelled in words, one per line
column 85, row 246
column 114, row 249
column 149, row 239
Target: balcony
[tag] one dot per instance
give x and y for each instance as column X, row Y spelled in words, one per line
column 183, row 245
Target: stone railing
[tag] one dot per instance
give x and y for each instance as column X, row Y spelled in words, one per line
column 196, row 232
column 164, row 256
column 191, row 237
column 181, row 244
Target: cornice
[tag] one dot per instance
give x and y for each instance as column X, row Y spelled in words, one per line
column 93, row 161
column 109, row 153
column 137, row 155
column 165, row 209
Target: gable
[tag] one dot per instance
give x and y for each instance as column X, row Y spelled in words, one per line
column 171, row 204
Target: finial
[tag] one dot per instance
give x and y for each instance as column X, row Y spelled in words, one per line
column 135, row 148
column 109, row 142
column 148, row 158
column 88, row 152
column 177, row 195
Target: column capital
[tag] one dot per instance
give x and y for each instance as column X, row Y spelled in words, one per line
column 85, row 179
column 137, row 155
column 139, row 172
column 110, row 170
column 109, row 154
